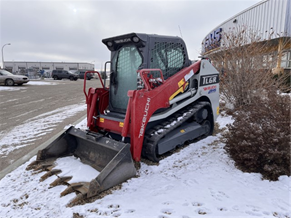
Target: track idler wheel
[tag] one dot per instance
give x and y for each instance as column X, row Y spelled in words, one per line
column 207, row 125
column 153, row 153
column 150, row 152
column 201, row 115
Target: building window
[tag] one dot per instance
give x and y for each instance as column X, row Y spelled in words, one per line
column 286, row 60
column 269, row 61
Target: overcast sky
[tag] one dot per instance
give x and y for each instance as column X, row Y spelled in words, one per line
column 71, row 31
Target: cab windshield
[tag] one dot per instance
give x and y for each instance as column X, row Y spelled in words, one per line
column 125, row 64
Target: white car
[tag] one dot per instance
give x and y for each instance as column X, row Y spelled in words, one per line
column 10, row 79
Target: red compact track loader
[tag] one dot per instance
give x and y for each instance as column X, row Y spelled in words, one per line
column 157, row 100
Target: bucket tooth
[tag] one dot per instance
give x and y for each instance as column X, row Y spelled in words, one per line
column 76, row 199
column 60, row 180
column 72, row 188
column 49, row 173
column 43, row 167
column 83, row 188
column 50, row 168
column 68, row 190
column 32, row 165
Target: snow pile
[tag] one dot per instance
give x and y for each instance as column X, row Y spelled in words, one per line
column 11, row 88
column 223, row 121
column 17, row 88
column 71, row 166
column 40, row 83
column 198, row 180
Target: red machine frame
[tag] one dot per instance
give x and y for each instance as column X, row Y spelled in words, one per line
column 141, row 105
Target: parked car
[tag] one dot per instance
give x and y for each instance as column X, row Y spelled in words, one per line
column 81, row 74
column 10, row 79
column 64, row 74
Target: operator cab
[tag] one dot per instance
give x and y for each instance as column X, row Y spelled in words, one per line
column 133, row 52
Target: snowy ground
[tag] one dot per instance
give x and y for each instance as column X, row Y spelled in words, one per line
column 39, row 125
column 198, row 181
column 36, row 82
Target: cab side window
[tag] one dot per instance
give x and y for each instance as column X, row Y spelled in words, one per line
column 169, row 57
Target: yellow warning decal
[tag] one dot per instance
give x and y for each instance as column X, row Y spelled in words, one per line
column 121, row 124
column 181, row 89
column 182, row 130
column 181, row 82
column 217, row 110
column 176, row 93
column 102, row 120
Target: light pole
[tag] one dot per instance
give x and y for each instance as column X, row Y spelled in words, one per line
column 92, row 62
column 3, row 54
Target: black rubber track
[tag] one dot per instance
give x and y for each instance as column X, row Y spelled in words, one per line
column 154, row 135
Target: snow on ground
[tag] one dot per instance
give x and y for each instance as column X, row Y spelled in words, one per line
column 198, row 181
column 223, row 121
column 38, row 126
column 11, row 88
column 31, row 82
column 40, row 83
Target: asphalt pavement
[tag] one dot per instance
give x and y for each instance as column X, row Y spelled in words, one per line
column 30, row 101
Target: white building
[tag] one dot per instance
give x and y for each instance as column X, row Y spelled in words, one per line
column 18, row 66
column 265, row 17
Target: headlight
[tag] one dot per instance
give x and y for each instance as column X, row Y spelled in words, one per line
column 135, row 39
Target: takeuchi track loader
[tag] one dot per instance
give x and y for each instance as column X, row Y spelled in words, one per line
column 157, row 100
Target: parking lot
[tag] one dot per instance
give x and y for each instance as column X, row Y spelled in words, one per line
column 35, row 112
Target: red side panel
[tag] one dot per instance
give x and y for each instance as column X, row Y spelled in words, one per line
column 145, row 102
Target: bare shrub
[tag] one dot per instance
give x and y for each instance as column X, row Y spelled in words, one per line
column 246, row 71
column 259, row 139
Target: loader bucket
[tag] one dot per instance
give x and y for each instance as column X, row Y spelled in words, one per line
column 111, row 158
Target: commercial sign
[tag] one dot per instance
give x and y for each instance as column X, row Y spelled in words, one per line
column 213, row 40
